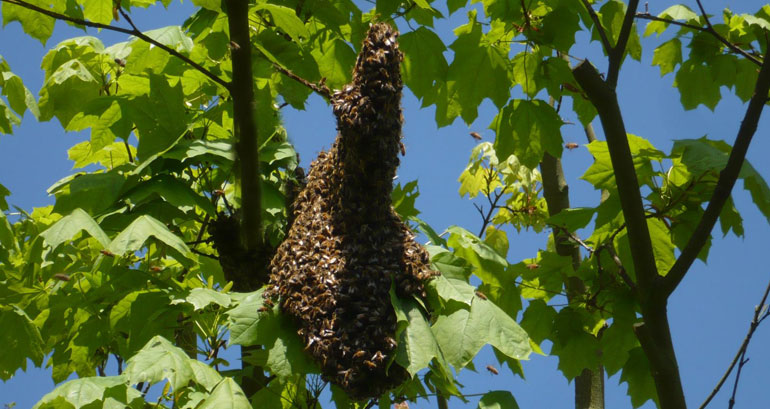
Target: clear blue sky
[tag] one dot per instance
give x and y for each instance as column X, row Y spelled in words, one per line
column 709, row 313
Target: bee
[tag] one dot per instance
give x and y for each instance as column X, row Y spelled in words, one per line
column 263, row 309
column 120, row 61
column 370, row 364
column 234, row 46
column 571, row 145
column 360, row 353
column 156, row 268
column 493, row 370
column 62, row 277
column 107, row 253
column 378, row 357
column 481, row 295
column 403, row 148
column 533, row 266
column 476, row 136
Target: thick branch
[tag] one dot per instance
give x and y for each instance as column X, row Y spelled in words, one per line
column 134, row 32
column 758, row 311
column 724, row 185
column 617, row 52
column 605, row 100
column 247, row 147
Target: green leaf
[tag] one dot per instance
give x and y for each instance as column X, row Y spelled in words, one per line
column 616, row 342
column 479, row 70
column 488, row 262
column 600, row 173
column 173, row 191
column 527, row 129
column 20, row 339
column 98, row 11
column 284, row 353
column 757, row 187
column 667, row 56
column 335, row 59
column 66, row 90
column 226, row 395
column 573, row 219
column 108, row 118
column 538, row 320
column 204, row 375
column 159, row 360
column 424, row 65
column 160, row 117
column 403, row 199
column 417, row 346
column 4, row 192
column 451, row 289
column 64, row 229
column 133, row 237
column 498, row 400
column 19, row 97
column 7, row 237
column 33, row 23
column 92, row 392
column 576, row 348
column 697, row 86
column 526, row 65
column 202, row 297
column 140, row 316
column 286, row 19
column 463, row 332
column 636, row 373
column 93, row 192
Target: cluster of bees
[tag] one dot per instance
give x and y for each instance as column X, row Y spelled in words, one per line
column 346, row 246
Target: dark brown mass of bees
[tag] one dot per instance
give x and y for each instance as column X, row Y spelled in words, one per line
column 346, row 244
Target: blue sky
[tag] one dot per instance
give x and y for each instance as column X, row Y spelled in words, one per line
column 709, row 313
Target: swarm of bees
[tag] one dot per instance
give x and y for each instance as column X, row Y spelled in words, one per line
column 346, row 245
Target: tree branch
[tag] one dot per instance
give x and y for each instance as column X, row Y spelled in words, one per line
column 708, row 29
column 602, row 34
column 604, row 99
column 320, row 88
column 617, row 52
column 134, row 32
column 247, row 145
column 725, row 183
column 759, row 314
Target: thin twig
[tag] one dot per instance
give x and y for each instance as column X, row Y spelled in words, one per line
column 708, row 29
column 319, row 88
column 741, row 354
column 134, row 32
column 602, row 34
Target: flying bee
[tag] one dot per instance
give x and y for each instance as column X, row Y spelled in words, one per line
column 61, row 277
column 107, row 253
column 476, row 136
column 533, row 266
column 370, row 364
column 481, row 295
column 403, row 148
column 360, row 353
column 571, row 145
column 493, row 370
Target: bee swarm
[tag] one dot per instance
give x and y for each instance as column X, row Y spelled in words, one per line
column 346, row 244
